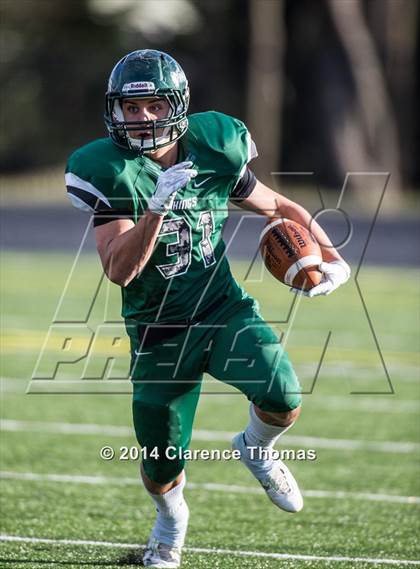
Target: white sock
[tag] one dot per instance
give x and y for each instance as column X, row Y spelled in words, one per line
column 260, row 434
column 172, row 516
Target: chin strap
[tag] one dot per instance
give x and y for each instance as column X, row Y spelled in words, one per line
column 145, row 144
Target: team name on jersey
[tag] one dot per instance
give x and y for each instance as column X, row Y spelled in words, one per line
column 188, row 203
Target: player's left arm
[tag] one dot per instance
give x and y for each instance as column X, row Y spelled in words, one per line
column 266, row 202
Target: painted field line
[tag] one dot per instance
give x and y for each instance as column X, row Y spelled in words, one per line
column 208, row 486
column 351, row 356
column 318, row 442
column 66, row 428
column 211, row 436
column 205, row 550
column 353, row 403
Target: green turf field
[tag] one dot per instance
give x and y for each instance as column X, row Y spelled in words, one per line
column 360, row 508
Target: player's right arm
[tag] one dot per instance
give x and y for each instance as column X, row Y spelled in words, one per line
column 125, row 247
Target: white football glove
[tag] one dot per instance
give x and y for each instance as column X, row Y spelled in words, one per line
column 169, row 182
column 335, row 274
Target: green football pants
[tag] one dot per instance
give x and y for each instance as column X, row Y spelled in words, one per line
column 234, row 345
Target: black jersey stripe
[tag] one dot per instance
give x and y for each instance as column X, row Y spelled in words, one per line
column 244, row 186
column 89, row 199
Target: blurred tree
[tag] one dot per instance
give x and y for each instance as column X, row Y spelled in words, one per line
column 368, row 140
column 56, row 57
column 318, row 92
column 265, row 81
column 345, row 107
column 160, row 20
column 53, row 63
column 326, row 86
column 395, row 27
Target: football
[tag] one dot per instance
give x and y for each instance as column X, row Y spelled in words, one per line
column 291, row 253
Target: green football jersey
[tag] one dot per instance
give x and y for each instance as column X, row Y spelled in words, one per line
column 188, row 270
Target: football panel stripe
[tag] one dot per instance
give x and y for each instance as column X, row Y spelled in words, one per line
column 300, row 264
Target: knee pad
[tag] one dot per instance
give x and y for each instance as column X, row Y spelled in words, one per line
column 284, row 404
column 157, row 428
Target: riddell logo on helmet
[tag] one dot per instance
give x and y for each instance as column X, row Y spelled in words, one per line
column 139, row 86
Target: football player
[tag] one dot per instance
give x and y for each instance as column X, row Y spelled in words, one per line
column 159, row 188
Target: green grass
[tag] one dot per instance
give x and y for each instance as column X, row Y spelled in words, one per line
column 32, row 286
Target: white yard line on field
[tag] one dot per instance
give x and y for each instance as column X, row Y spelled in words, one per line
column 350, row 402
column 407, row 372
column 318, row 442
column 209, row 486
column 402, row 447
column 208, row 551
column 65, row 428
column 355, row 403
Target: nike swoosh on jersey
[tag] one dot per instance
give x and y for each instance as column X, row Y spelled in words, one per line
column 142, row 353
column 195, row 185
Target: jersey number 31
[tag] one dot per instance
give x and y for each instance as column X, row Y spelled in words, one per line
column 182, row 246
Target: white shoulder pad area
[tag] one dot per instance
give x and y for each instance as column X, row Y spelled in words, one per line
column 252, row 149
column 252, row 153
column 79, row 203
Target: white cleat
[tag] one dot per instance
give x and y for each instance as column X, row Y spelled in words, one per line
column 273, row 475
column 161, row 555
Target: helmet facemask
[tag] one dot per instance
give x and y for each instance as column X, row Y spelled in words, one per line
column 162, row 132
